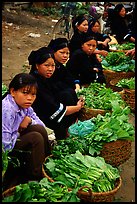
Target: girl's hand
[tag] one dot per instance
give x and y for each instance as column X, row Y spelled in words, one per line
column 103, row 53
column 81, row 102
column 77, row 87
column 96, row 69
column 24, row 124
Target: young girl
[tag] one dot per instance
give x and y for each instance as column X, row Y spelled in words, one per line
column 56, row 104
column 21, row 127
column 84, row 64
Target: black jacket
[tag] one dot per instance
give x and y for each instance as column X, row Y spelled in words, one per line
column 53, row 96
column 81, row 66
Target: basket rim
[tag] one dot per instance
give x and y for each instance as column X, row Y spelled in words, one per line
column 108, row 192
column 111, row 71
column 9, row 190
column 43, row 170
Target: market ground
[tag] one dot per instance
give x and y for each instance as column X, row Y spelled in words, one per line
column 17, row 43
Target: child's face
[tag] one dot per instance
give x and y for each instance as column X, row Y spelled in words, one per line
column 25, row 96
column 47, row 68
column 83, row 27
column 62, row 55
column 89, row 46
column 96, row 27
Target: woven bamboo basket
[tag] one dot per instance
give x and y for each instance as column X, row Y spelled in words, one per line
column 116, row 152
column 8, row 192
column 129, row 97
column 109, row 75
column 113, row 85
column 99, row 196
column 43, row 170
column 87, row 113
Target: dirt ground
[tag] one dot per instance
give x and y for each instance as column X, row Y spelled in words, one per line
column 16, row 46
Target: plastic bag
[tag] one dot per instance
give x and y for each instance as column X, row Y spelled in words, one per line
column 81, row 128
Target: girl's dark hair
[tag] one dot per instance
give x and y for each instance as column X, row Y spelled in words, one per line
column 21, row 80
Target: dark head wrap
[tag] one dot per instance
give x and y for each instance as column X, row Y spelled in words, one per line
column 77, row 21
column 58, row 43
column 118, row 8
column 88, row 37
column 40, row 56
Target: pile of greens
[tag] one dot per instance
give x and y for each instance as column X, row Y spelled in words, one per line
column 111, row 127
column 43, row 191
column 4, row 89
column 124, row 46
column 98, row 96
column 119, row 62
column 77, row 170
column 127, row 83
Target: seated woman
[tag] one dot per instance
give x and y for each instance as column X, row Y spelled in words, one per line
column 119, row 26
column 102, row 39
column 80, row 27
column 60, row 48
column 55, row 106
column 84, row 64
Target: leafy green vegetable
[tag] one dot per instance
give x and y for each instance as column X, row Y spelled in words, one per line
column 118, row 61
column 43, row 191
column 127, row 83
column 93, row 170
column 98, row 96
column 4, row 89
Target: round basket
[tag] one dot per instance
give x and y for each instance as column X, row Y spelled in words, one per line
column 113, row 85
column 8, row 192
column 109, row 75
column 116, row 152
column 44, row 173
column 128, row 95
column 101, row 196
column 87, row 113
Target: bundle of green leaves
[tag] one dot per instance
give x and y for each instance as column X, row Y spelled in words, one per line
column 43, row 191
column 124, row 46
column 119, row 62
column 127, row 83
column 110, row 127
column 4, row 89
column 77, row 170
column 98, row 96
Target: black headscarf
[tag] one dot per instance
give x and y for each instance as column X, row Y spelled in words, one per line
column 77, row 21
column 58, row 43
column 39, row 56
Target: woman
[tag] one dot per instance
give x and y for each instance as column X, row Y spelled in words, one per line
column 53, row 105
column 84, row 64
column 119, row 26
column 80, row 27
column 21, row 127
column 102, row 39
column 60, row 48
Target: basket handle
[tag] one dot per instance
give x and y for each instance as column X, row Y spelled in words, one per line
column 89, row 190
